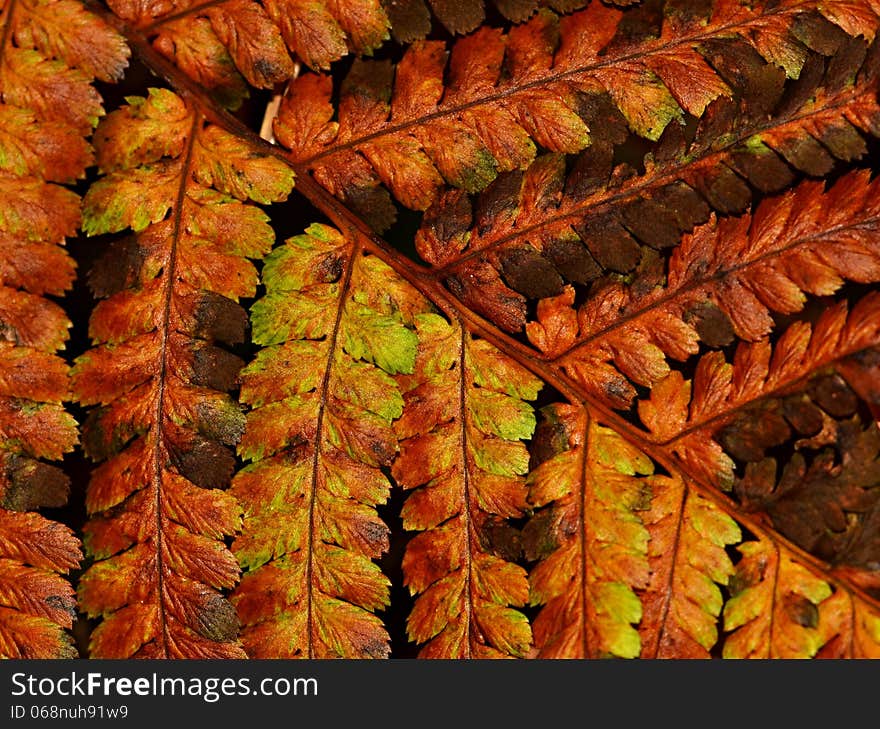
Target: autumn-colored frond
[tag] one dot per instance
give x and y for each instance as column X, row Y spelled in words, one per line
column 769, row 604
column 594, row 220
column 337, row 326
column 463, row 116
column 230, row 45
column 677, row 408
column 691, row 571
column 723, row 283
column 356, row 369
column 780, row 610
column 462, row 456
column 591, row 543
column 633, row 563
column 776, row 608
column 785, row 433
column 162, row 422
column 607, row 388
column 226, row 46
column 48, row 107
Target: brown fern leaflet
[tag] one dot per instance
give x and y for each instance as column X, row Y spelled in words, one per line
column 607, row 386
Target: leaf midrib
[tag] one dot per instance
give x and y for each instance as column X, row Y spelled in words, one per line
column 464, row 381
column 160, row 448
column 324, row 391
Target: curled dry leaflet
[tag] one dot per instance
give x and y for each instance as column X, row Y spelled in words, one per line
column 539, row 329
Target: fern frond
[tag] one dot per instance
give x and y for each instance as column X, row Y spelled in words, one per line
column 48, row 107
column 632, row 563
column 628, row 408
column 164, row 421
column 683, row 603
column 684, row 413
column 772, row 604
column 222, row 45
column 782, row 431
column 232, row 45
column 336, row 325
column 723, row 283
column 531, row 233
column 776, row 606
column 592, row 543
column 464, row 417
column 463, row 116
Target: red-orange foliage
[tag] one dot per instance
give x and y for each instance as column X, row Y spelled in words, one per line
column 612, row 368
column 158, row 517
column 47, row 111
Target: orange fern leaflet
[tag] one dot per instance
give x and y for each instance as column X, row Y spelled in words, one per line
column 164, row 421
column 47, row 109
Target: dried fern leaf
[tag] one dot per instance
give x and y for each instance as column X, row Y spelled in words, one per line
column 225, row 46
column 589, row 221
column 228, row 45
column 705, row 482
column 723, row 283
column 685, row 413
column 163, row 423
column 781, row 429
column 48, row 107
column 232, row 45
column 630, row 563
